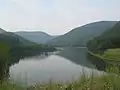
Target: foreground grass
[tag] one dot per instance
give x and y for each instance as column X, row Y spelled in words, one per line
column 8, row 86
column 104, row 82
column 109, row 82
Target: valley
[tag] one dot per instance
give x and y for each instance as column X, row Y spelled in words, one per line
column 76, row 53
column 59, row 45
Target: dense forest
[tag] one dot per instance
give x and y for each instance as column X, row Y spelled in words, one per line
column 109, row 39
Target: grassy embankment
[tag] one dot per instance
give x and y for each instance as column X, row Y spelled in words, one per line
column 109, row 55
column 112, row 55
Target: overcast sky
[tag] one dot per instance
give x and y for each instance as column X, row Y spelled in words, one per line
column 55, row 16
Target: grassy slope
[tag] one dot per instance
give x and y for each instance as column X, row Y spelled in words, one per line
column 112, row 54
column 109, row 55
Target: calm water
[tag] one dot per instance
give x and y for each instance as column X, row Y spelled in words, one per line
column 65, row 65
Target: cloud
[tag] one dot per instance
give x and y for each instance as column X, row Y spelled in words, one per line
column 53, row 16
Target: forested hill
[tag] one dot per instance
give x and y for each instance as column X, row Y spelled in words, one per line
column 81, row 35
column 109, row 39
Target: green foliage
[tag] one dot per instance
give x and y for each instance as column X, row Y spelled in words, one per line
column 4, row 51
column 8, row 86
column 4, row 55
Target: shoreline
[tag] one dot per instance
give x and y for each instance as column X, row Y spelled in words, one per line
column 109, row 61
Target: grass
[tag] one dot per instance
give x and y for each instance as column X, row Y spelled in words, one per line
column 109, row 82
column 112, row 54
column 8, row 86
column 104, row 82
column 109, row 55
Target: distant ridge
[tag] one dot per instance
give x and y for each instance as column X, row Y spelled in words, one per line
column 81, row 35
column 11, row 38
column 36, row 36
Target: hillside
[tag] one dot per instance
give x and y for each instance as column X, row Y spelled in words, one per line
column 109, row 39
column 21, row 46
column 11, row 41
column 9, row 37
column 1, row 30
column 36, row 36
column 81, row 35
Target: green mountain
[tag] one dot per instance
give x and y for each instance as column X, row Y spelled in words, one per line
column 81, row 35
column 12, row 38
column 109, row 39
column 36, row 36
column 21, row 46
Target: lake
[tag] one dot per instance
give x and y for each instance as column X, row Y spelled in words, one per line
column 62, row 66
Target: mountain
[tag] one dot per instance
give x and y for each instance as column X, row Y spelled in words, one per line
column 13, row 46
column 11, row 41
column 17, row 42
column 36, row 36
column 81, row 35
column 9, row 37
column 1, row 30
column 12, row 38
column 109, row 39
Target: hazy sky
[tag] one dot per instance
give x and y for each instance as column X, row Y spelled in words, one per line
column 55, row 16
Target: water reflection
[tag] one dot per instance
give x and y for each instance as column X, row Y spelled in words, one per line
column 54, row 67
column 99, row 63
column 65, row 65
column 5, row 64
column 77, row 55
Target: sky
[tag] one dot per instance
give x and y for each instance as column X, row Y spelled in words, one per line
column 55, row 16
